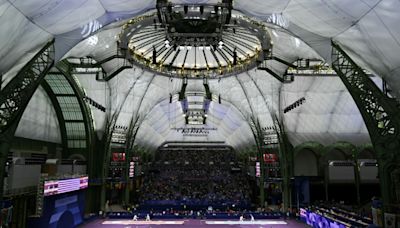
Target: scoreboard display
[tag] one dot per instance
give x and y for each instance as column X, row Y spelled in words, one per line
column 53, row 187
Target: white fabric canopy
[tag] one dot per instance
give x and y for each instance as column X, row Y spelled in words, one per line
column 39, row 120
column 367, row 30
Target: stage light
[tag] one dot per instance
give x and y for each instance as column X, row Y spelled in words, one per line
column 294, row 105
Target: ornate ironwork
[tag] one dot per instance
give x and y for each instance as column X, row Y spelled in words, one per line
column 16, row 94
column 381, row 115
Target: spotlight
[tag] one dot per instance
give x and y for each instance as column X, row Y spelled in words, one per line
column 220, row 44
column 294, row 105
column 167, row 44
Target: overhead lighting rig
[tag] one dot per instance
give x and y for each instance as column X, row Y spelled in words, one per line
column 194, row 24
column 195, row 104
column 195, row 40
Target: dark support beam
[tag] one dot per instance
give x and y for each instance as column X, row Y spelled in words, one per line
column 105, row 146
column 57, row 108
column 382, row 118
column 281, row 61
column 207, row 88
column 286, row 160
column 64, row 68
column 102, row 75
column 15, row 96
column 258, row 135
column 183, row 90
column 17, row 93
column 271, row 72
column 94, row 161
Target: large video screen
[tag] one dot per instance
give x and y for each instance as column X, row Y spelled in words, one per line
column 53, row 187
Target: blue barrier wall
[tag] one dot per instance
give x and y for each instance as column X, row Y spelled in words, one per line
column 61, row 211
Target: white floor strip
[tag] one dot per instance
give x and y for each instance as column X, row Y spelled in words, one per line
column 131, row 222
column 257, row 222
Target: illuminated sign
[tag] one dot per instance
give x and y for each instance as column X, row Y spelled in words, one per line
column 131, row 169
column 258, row 170
column 270, row 158
column 53, row 187
column 118, row 157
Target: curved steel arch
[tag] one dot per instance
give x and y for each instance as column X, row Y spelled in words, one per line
column 71, row 92
column 57, row 108
column 315, row 147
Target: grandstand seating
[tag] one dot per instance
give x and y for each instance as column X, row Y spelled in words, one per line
column 193, row 180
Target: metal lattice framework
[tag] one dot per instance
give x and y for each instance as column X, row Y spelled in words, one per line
column 16, row 94
column 381, row 116
column 58, row 110
column 72, row 114
column 76, row 112
column 379, row 111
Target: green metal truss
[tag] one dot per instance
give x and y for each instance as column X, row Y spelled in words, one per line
column 286, row 160
column 15, row 96
column 382, row 118
column 93, row 147
column 59, row 113
column 17, row 93
column 258, row 135
column 75, row 110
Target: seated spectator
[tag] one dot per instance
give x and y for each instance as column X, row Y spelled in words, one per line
column 196, row 178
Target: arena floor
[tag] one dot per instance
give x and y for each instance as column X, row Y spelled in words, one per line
column 114, row 223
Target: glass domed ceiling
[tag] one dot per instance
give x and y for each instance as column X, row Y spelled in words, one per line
column 234, row 46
